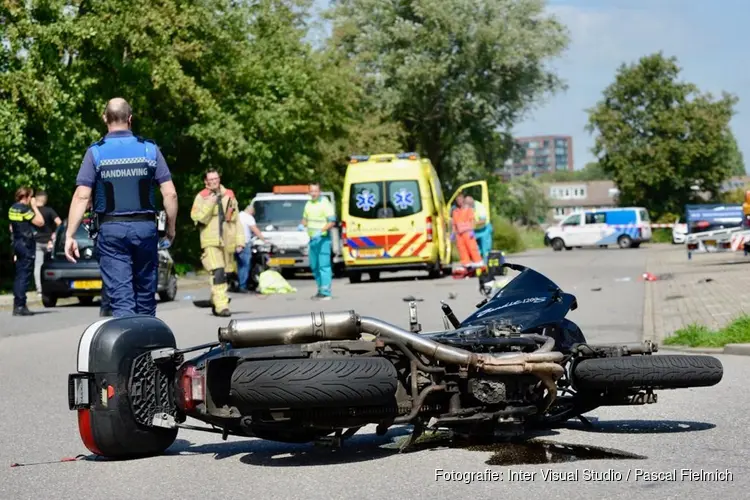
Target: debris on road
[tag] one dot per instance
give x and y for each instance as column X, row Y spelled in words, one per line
column 597, row 289
column 705, row 280
column 412, row 298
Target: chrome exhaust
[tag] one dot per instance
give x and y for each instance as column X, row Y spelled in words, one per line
column 347, row 325
column 297, row 329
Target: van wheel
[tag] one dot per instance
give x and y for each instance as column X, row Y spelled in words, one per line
column 557, row 245
column 355, row 277
column 624, row 241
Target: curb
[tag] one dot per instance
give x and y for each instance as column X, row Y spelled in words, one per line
column 36, row 301
column 733, row 349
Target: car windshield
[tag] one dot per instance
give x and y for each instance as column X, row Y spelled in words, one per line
column 81, row 236
column 385, row 200
column 279, row 212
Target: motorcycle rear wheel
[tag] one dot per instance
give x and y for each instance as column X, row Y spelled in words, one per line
column 672, row 371
column 313, row 383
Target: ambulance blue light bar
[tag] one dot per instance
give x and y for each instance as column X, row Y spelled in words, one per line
column 358, row 158
column 407, row 156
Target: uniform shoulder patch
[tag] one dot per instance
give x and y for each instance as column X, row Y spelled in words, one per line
column 206, row 193
column 143, row 139
column 100, row 142
column 229, row 193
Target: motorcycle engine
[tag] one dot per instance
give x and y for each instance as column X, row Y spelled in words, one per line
column 490, row 337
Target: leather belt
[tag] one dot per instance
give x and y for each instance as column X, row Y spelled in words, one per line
column 128, row 218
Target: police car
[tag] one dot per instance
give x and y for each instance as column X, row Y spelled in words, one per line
column 625, row 227
column 63, row 279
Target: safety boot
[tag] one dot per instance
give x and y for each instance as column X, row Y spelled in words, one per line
column 22, row 311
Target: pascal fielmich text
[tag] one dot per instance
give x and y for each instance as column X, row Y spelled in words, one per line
column 609, row 475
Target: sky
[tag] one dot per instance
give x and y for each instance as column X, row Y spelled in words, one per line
column 706, row 37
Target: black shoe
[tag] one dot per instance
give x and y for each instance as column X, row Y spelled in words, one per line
column 22, row 311
column 105, row 312
column 223, row 313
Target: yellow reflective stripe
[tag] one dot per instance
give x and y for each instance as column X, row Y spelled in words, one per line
column 16, row 215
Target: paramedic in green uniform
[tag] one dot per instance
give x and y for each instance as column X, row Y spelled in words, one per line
column 482, row 228
column 318, row 218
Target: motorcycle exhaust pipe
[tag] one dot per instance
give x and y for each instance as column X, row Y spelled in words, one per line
column 496, row 363
column 296, row 329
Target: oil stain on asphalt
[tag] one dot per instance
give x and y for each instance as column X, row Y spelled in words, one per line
column 534, row 451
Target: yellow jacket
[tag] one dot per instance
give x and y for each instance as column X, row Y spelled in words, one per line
column 205, row 214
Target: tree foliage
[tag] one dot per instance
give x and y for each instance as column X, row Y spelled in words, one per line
column 236, row 86
column 217, row 83
column 592, row 171
column 457, row 74
column 661, row 139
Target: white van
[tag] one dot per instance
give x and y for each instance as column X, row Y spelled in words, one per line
column 625, row 227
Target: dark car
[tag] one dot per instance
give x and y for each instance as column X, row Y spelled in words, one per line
column 82, row 279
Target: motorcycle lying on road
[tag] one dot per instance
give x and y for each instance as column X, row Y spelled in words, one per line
column 514, row 365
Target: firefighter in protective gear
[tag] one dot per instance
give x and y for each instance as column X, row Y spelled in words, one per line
column 482, row 227
column 463, row 229
column 318, row 218
column 216, row 211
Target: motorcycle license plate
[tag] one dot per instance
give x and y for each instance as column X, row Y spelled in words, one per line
column 280, row 262
column 87, row 285
column 370, row 253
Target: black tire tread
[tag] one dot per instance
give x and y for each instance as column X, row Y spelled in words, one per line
column 657, row 371
column 320, row 382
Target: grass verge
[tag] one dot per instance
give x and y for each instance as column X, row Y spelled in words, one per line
column 736, row 332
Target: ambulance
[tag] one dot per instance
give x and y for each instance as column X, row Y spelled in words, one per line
column 395, row 217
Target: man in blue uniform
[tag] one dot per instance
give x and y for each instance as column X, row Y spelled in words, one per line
column 121, row 171
column 23, row 215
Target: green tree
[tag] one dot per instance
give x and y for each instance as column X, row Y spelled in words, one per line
column 217, row 83
column 457, row 74
column 592, row 171
column 661, row 139
column 734, row 157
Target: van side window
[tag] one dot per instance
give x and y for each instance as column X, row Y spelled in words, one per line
column 404, row 198
column 573, row 220
column 596, row 218
column 366, row 200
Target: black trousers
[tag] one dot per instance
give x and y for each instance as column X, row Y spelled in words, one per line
column 25, row 252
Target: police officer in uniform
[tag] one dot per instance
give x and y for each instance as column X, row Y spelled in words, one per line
column 120, row 171
column 23, row 215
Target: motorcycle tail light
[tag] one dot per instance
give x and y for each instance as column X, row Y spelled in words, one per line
column 192, row 388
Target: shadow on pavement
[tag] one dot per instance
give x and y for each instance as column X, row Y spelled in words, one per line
column 639, row 426
column 276, row 454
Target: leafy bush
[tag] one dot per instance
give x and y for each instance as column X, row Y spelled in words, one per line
column 506, row 236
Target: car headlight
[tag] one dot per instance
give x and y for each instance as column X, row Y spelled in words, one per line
column 304, row 249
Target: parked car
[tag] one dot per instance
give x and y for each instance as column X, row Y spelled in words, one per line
column 679, row 232
column 82, row 279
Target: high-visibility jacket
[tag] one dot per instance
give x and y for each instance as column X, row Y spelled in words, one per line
column 463, row 219
column 481, row 218
column 206, row 214
column 317, row 214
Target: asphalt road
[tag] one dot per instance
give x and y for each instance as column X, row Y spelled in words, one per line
column 698, row 429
